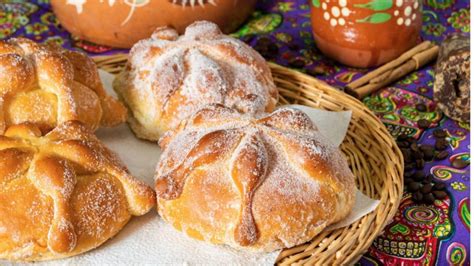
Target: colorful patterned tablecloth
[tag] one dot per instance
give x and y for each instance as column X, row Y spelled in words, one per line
column 419, row 234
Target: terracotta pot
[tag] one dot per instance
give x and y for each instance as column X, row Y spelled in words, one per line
column 122, row 23
column 365, row 33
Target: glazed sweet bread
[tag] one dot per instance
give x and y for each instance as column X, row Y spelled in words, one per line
column 47, row 85
column 261, row 183
column 63, row 193
column 168, row 77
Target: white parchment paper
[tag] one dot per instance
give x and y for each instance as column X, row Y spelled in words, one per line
column 148, row 240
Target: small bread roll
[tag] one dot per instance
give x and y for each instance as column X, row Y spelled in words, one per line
column 62, row 194
column 169, row 77
column 47, row 85
column 261, row 183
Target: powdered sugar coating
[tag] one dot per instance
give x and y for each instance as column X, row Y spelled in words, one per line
column 169, row 77
column 290, row 181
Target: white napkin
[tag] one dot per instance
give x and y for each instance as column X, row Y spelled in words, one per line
column 332, row 125
column 149, row 240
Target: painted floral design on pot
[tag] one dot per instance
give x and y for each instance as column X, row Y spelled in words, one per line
column 365, row 33
column 134, row 4
column 193, row 3
column 121, row 23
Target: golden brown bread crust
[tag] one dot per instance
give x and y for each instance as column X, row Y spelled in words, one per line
column 168, row 77
column 63, row 193
column 47, row 85
column 260, row 183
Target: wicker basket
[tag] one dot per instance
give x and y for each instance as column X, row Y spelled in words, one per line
column 371, row 152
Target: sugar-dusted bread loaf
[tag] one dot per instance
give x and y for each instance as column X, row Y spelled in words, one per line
column 47, row 85
column 261, row 183
column 168, row 77
column 63, row 193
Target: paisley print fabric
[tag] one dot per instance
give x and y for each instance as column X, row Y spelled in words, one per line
column 419, row 234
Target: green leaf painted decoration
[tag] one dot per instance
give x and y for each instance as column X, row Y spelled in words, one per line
column 375, row 18
column 376, row 5
column 316, row 3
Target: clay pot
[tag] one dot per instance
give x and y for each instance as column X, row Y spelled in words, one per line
column 365, row 33
column 123, row 23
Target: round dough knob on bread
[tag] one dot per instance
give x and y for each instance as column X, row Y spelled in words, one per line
column 261, row 182
column 168, row 77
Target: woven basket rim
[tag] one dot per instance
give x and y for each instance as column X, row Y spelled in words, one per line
column 345, row 245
